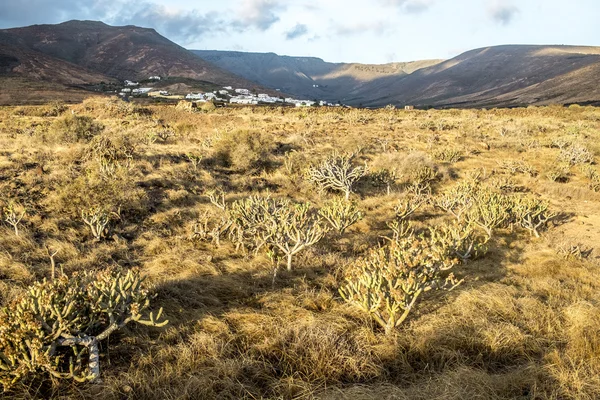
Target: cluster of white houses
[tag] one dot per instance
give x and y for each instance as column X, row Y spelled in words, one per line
column 226, row 95
column 244, row 96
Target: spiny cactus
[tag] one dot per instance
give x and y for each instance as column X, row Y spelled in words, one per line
column 388, row 282
column 341, row 214
column 336, row 173
column 55, row 327
column 532, row 214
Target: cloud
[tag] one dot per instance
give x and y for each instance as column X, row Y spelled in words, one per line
column 377, row 27
column 501, row 12
column 21, row 13
column 409, row 6
column 260, row 14
column 296, row 32
column 183, row 27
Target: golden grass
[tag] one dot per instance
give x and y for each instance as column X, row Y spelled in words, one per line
column 525, row 325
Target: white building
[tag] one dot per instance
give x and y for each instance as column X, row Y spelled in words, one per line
column 194, row 96
column 141, row 90
column 243, row 91
column 227, row 88
column 130, row 83
column 154, row 78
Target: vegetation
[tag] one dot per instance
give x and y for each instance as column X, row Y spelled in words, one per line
column 299, row 253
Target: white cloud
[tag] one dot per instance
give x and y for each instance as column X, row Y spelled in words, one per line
column 502, row 12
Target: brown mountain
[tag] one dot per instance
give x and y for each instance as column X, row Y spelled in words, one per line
column 80, row 52
column 493, row 76
column 309, row 77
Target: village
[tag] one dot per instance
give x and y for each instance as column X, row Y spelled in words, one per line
column 226, row 94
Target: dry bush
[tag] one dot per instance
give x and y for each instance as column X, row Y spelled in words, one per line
column 246, row 151
column 73, row 128
column 336, row 173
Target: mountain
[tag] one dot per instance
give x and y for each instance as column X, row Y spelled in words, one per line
column 88, row 52
column 309, row 77
column 513, row 75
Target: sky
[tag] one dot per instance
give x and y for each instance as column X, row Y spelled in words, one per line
column 373, row 31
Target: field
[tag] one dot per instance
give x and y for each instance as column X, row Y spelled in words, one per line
column 524, row 323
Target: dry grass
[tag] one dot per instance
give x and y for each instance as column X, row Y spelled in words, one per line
column 524, row 325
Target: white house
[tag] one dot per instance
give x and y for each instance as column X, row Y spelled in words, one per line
column 223, row 92
column 130, row 83
column 194, row 96
column 126, row 90
column 243, row 91
column 227, row 88
column 154, row 78
column 141, row 90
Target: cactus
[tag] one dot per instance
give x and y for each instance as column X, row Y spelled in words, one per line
column 292, row 230
column 388, row 282
column 97, row 219
column 460, row 240
column 13, row 214
column 336, row 173
column 341, row 214
column 210, row 229
column 277, row 225
column 195, row 160
column 55, row 327
column 490, row 210
column 409, row 204
column 532, row 214
column 217, row 198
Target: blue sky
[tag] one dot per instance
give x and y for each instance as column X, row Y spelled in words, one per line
column 374, row 31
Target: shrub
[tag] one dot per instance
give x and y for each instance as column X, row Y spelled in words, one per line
column 245, row 150
column 55, row 328
column 336, row 173
column 388, row 282
column 74, row 128
column 532, row 214
column 576, row 154
column 282, row 227
column 341, row 214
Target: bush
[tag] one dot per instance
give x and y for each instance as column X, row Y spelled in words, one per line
column 246, row 151
column 336, row 173
column 389, row 281
column 74, row 128
column 56, row 326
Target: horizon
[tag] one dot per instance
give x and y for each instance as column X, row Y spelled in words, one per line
column 381, row 33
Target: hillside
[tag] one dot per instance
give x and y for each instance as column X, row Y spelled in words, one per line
column 492, row 76
column 86, row 52
column 297, row 75
column 498, row 76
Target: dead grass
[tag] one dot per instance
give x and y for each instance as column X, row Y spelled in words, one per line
column 524, row 325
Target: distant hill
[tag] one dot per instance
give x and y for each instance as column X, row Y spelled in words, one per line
column 488, row 77
column 299, row 75
column 87, row 52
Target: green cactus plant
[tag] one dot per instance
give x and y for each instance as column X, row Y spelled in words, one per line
column 55, row 327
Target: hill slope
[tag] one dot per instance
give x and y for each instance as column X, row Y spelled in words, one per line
column 492, row 76
column 498, row 76
column 125, row 52
column 298, row 75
